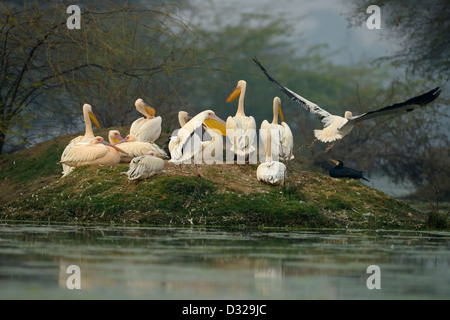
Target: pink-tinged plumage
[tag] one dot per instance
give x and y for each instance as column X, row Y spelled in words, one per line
column 88, row 116
column 96, row 152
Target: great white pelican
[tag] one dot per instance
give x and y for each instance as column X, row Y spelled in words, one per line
column 337, row 127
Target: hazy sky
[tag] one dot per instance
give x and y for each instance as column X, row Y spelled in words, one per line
column 314, row 21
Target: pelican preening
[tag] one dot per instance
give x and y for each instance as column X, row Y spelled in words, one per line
column 187, row 145
column 148, row 128
column 88, row 116
column 243, row 127
column 270, row 172
column 282, row 133
column 336, row 127
column 95, row 152
column 343, row 172
column 145, row 166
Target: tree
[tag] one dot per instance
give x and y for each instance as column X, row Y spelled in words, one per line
column 421, row 28
column 48, row 71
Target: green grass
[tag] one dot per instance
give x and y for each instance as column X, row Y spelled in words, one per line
column 229, row 196
column 25, row 169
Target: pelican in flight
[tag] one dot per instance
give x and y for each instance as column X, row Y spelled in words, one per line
column 132, row 147
column 242, row 126
column 95, row 152
column 187, row 145
column 147, row 128
column 145, row 166
column 270, row 172
column 88, row 116
column 283, row 134
column 337, row 127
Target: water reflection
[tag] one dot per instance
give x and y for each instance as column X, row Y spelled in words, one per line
column 188, row 263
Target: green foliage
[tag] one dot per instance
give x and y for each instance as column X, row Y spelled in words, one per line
column 26, row 169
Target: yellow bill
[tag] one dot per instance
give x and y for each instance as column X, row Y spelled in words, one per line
column 236, row 92
column 216, row 124
column 94, row 120
column 335, row 161
column 280, row 113
column 150, row 110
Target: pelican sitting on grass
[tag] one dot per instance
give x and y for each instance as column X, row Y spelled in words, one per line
column 88, row 116
column 145, row 166
column 96, row 152
column 337, row 127
column 134, row 148
column 270, row 172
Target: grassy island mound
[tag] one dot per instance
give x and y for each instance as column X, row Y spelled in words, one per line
column 226, row 196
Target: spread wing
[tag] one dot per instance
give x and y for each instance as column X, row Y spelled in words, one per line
column 398, row 108
column 308, row 105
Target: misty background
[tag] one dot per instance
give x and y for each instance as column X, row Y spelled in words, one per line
column 189, row 55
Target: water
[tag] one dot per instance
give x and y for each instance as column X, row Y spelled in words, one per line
column 191, row 263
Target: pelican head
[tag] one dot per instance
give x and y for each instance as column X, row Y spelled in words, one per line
column 183, row 118
column 215, row 123
column 348, row 114
column 277, row 110
column 241, row 85
column 114, row 136
column 87, row 109
column 144, row 108
column 100, row 140
column 128, row 138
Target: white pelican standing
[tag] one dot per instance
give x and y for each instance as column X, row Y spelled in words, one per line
column 148, row 128
column 282, row 132
column 244, row 127
column 145, row 166
column 270, row 172
column 88, row 116
column 132, row 147
column 185, row 145
column 96, row 152
column 337, row 127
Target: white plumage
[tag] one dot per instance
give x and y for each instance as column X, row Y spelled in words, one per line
column 135, row 148
column 96, row 152
column 242, row 126
column 272, row 172
column 337, row 127
column 145, row 166
column 148, row 128
column 88, row 116
column 282, row 133
column 187, row 145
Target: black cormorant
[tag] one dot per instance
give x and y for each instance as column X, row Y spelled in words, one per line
column 343, row 172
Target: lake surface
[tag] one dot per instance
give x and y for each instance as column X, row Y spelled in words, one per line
column 190, row 263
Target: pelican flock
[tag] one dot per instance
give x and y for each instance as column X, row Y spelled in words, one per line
column 200, row 139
